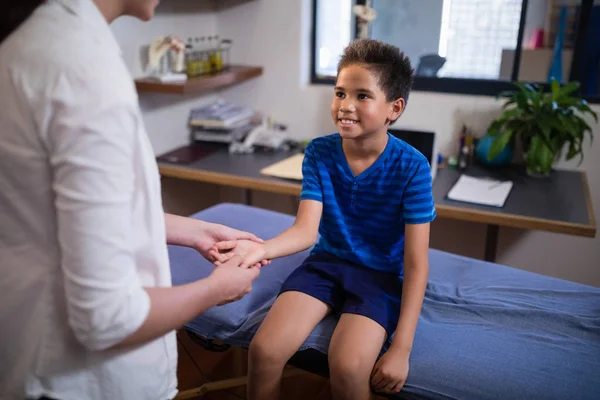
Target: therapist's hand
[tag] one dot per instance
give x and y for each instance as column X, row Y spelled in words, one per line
column 231, row 282
column 214, row 233
column 201, row 235
column 253, row 254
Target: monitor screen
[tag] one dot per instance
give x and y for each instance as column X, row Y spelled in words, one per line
column 420, row 140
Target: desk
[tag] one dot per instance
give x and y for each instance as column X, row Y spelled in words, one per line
column 558, row 204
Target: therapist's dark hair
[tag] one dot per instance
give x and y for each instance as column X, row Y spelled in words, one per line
column 13, row 15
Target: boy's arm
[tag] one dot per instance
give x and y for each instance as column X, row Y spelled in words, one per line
column 418, row 211
column 416, row 270
column 301, row 235
column 391, row 371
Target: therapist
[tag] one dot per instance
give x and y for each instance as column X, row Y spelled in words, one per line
column 86, row 307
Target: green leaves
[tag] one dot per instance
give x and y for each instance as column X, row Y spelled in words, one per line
column 569, row 88
column 539, row 157
column 545, row 121
column 499, row 144
column 555, row 89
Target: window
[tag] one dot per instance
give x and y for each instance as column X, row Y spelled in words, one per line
column 335, row 17
column 471, row 46
column 473, row 34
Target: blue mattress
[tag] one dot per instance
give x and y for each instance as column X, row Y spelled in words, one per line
column 486, row 331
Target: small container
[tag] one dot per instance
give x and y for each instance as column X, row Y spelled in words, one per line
column 207, row 55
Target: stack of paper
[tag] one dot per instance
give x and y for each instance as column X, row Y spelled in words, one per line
column 480, row 191
column 290, row 168
column 220, row 114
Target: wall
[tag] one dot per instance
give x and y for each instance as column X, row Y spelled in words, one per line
column 165, row 116
column 275, row 34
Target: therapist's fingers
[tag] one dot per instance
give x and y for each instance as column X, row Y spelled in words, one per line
column 217, row 257
column 221, row 256
column 225, row 245
column 249, row 236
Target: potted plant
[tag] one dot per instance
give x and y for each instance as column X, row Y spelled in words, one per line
column 544, row 122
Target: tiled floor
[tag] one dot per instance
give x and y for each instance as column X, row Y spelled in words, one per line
column 198, row 366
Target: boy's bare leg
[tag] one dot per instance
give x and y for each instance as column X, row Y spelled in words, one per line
column 355, row 346
column 287, row 325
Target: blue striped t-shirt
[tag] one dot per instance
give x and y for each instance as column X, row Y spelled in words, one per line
column 364, row 216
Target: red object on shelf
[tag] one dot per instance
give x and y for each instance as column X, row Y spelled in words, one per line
column 537, row 39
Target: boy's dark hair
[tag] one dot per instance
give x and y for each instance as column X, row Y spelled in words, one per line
column 389, row 64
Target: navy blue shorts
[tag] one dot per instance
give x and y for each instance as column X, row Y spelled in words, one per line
column 349, row 288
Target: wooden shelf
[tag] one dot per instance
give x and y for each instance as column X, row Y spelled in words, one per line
column 232, row 75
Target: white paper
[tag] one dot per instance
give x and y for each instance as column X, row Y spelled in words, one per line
column 480, row 191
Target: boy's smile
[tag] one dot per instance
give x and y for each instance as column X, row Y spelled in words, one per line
column 359, row 107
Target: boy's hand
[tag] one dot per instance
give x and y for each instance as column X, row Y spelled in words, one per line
column 390, row 372
column 252, row 253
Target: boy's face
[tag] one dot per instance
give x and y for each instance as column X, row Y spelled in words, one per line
column 360, row 108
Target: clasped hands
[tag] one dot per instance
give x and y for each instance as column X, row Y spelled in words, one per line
column 253, row 254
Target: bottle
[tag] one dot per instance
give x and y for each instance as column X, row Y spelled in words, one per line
column 211, row 55
column 463, row 151
column 204, row 62
column 218, row 54
column 189, row 58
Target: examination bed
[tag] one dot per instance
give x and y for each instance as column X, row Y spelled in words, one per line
column 486, row 331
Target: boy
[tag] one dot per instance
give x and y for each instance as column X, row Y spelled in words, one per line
column 369, row 196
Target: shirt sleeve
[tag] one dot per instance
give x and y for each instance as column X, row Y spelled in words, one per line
column 311, row 182
column 417, row 202
column 91, row 148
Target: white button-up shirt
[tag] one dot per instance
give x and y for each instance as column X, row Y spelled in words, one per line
column 81, row 220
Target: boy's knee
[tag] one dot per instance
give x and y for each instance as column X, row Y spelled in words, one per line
column 264, row 352
column 349, row 369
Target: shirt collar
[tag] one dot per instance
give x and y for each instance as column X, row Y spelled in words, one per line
column 91, row 16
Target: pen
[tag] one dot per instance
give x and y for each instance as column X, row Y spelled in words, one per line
column 495, row 185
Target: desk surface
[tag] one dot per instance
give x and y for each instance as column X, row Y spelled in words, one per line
column 237, row 170
column 560, row 203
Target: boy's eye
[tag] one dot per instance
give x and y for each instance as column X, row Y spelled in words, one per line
column 363, row 96
column 339, row 94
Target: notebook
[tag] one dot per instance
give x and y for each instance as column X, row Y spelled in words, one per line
column 483, row 191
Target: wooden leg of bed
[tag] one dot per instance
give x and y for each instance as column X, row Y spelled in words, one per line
column 227, row 384
column 248, row 197
column 238, row 361
column 491, row 242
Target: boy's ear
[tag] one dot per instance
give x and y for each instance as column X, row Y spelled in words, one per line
column 396, row 109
